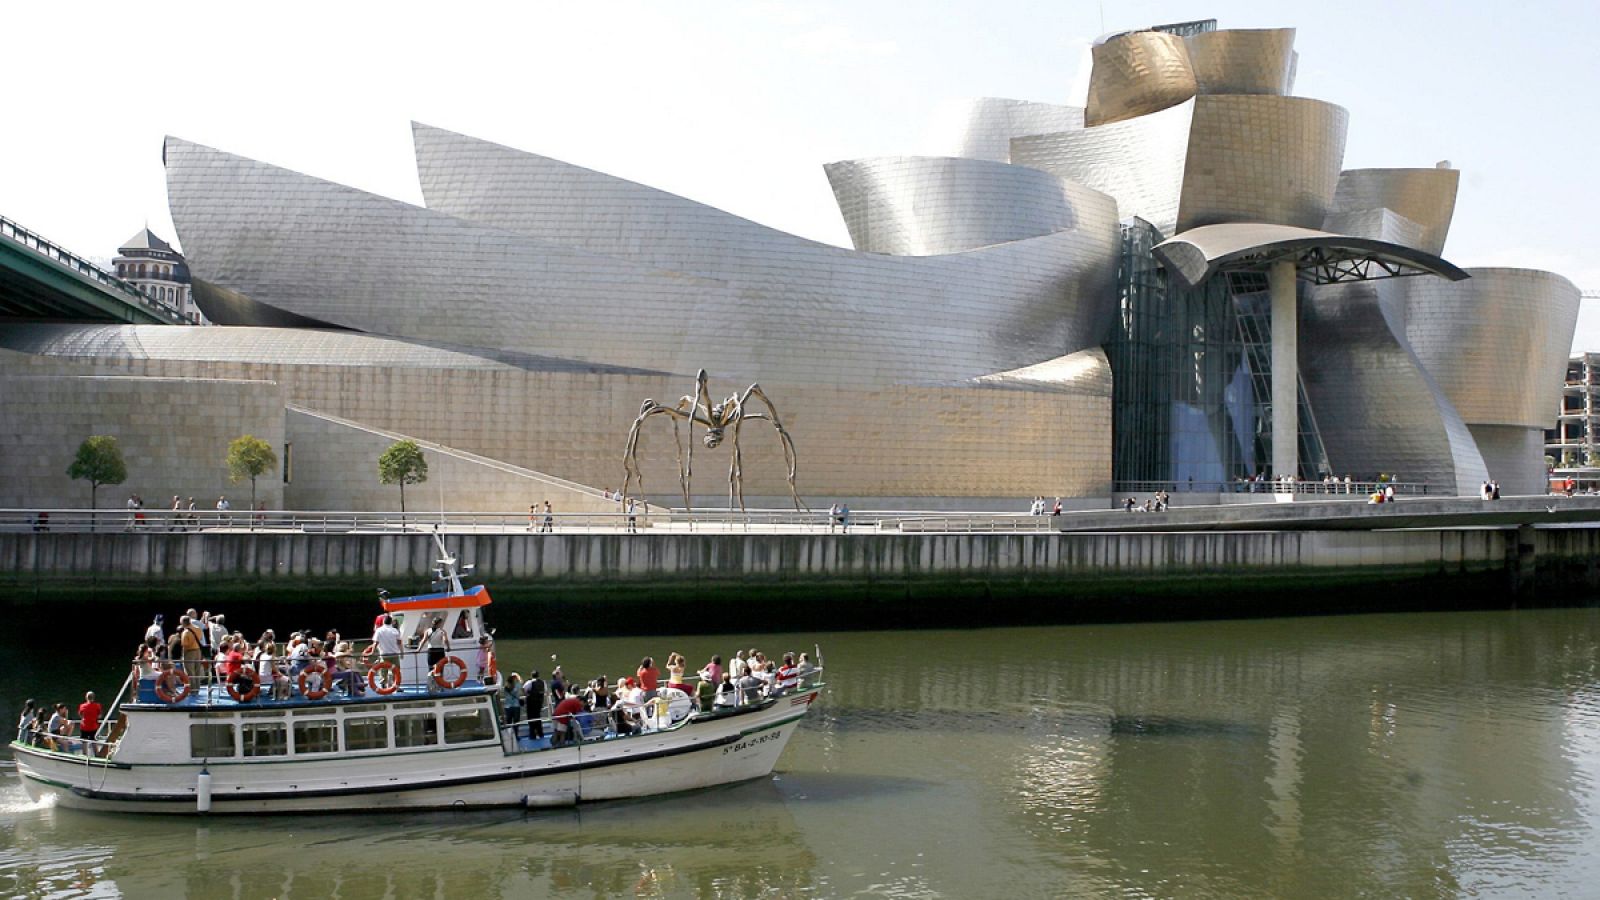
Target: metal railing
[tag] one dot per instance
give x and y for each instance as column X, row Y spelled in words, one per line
column 333, row 522
column 1240, row 486
column 86, row 269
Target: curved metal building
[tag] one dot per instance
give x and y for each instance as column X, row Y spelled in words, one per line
column 1177, row 286
column 927, row 206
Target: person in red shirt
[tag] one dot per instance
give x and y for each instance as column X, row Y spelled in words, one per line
column 88, row 716
column 565, row 716
column 649, row 678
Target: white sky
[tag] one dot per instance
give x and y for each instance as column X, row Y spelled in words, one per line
column 738, row 104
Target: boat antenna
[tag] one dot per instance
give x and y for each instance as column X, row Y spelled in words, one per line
column 447, row 565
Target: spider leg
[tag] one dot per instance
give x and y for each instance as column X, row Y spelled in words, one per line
column 630, row 458
column 630, row 453
column 789, row 456
column 736, row 468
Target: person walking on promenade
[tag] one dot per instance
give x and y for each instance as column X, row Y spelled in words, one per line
column 549, row 519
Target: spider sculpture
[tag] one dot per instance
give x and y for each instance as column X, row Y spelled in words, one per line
column 720, row 420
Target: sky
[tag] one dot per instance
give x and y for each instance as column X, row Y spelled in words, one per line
column 738, row 104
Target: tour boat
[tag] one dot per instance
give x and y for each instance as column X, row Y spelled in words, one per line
column 420, row 738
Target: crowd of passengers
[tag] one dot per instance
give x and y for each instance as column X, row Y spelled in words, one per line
column 201, row 649
column 601, row 708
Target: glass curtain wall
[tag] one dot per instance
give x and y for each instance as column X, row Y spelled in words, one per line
column 1192, row 388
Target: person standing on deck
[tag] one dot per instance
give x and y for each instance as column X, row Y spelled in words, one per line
column 88, row 717
column 436, row 640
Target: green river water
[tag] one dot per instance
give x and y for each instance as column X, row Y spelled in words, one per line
column 1442, row 754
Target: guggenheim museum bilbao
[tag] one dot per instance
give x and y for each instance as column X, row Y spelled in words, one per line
column 1178, row 284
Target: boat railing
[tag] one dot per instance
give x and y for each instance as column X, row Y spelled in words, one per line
column 89, row 748
column 342, row 676
column 624, row 719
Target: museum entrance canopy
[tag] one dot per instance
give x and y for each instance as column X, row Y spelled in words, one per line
column 1289, row 254
column 1319, row 257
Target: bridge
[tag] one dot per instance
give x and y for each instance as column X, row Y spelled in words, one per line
column 41, row 280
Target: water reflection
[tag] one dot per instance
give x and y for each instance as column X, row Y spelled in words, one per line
column 1424, row 755
column 735, row 841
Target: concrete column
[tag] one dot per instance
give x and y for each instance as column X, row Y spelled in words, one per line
column 1285, row 370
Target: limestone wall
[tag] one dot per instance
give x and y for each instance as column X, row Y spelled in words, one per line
column 335, row 466
column 174, row 434
column 904, row 441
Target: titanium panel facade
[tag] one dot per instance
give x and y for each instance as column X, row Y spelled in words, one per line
column 926, row 206
column 1139, row 162
column 1242, row 60
column 1257, row 158
column 1138, row 73
column 987, row 125
column 1378, row 225
column 1424, row 196
column 1515, row 457
column 1497, row 343
column 1377, row 408
column 583, row 278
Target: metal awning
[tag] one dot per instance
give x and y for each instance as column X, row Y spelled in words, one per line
column 1320, row 257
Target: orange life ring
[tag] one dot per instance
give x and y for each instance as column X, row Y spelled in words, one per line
column 438, row 672
column 493, row 672
column 244, row 696
column 394, row 681
column 320, row 692
column 168, row 696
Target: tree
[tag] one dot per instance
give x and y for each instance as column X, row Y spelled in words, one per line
column 402, row 464
column 99, row 462
column 249, row 457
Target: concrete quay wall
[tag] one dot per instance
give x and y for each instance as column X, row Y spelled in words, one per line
column 661, row 582
column 667, row 557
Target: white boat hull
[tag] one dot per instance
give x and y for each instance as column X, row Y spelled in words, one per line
column 701, row 753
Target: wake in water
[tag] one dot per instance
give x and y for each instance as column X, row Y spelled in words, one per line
column 14, row 800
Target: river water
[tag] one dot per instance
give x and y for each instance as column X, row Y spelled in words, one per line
column 1442, row 754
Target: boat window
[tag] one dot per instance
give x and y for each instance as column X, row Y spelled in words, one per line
column 462, row 701
column 463, row 627
column 319, row 736
column 416, row 731
column 265, row 739
column 468, row 725
column 268, row 714
column 210, row 741
column 366, row 733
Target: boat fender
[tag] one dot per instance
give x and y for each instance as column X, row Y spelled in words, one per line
column 202, row 792
column 167, row 695
column 245, row 696
column 319, row 692
column 379, row 687
column 438, row 672
column 550, row 800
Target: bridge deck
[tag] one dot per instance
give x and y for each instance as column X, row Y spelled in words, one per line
column 40, row 280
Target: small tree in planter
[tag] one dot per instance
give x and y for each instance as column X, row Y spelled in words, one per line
column 402, row 464
column 99, row 462
column 250, row 457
